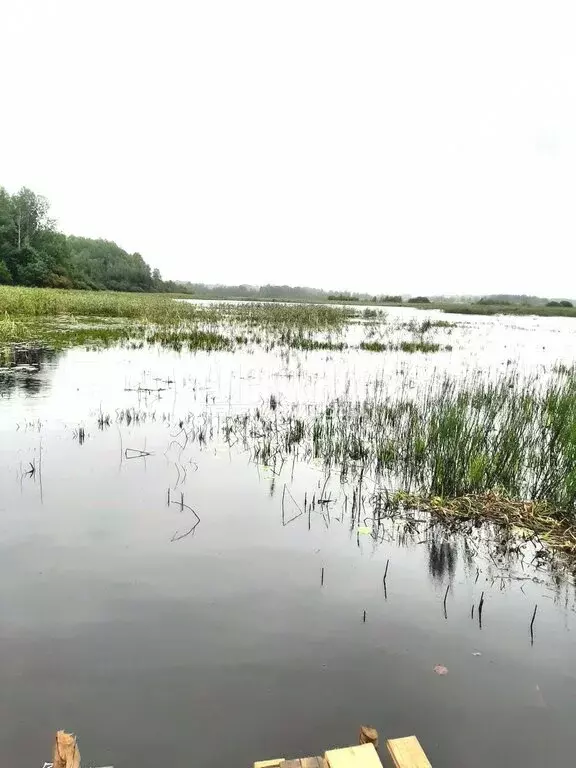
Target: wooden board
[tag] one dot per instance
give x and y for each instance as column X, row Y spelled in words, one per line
column 304, row 762
column 407, row 753
column 362, row 756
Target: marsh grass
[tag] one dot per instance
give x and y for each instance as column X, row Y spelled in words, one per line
column 162, row 308
column 71, row 318
column 508, row 309
column 449, row 439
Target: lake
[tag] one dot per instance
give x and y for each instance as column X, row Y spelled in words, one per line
column 173, row 600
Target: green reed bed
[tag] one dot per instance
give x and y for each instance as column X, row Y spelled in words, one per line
column 503, row 450
column 450, row 439
column 161, row 308
column 193, row 339
column 67, row 318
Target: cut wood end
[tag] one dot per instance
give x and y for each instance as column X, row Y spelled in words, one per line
column 66, row 752
column 368, row 735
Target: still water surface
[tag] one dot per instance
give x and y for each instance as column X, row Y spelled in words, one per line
column 222, row 647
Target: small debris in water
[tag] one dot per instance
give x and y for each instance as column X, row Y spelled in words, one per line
column 440, row 670
column 476, row 653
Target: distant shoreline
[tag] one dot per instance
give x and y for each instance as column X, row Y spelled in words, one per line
column 471, row 308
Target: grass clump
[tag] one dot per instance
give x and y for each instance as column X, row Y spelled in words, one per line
column 451, row 439
column 374, row 346
column 193, row 339
column 405, row 346
column 312, row 345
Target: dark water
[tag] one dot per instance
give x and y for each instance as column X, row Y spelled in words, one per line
column 222, row 647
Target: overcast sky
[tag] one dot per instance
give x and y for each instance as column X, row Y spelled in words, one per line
column 423, row 146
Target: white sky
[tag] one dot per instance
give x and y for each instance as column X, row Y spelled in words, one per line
column 426, row 146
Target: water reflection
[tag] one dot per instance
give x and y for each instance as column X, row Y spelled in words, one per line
column 23, row 367
column 257, row 609
column 442, row 556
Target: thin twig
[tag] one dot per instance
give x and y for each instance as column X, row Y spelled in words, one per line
column 532, row 624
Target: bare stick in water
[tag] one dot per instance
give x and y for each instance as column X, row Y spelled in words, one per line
column 532, row 624
column 386, row 570
column 445, row 596
column 322, row 577
column 364, row 619
column 480, row 607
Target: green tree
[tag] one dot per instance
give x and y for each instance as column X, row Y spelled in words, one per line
column 5, row 275
column 33, row 252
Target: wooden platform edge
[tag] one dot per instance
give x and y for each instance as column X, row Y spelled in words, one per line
column 407, row 753
column 269, row 763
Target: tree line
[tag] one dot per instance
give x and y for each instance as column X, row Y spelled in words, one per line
column 33, row 252
column 282, row 293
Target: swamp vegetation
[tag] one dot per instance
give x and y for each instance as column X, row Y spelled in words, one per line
column 447, row 443
column 261, row 497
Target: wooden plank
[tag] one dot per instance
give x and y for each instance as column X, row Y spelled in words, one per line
column 407, row 753
column 312, row 762
column 269, row 763
column 362, row 756
column 290, row 764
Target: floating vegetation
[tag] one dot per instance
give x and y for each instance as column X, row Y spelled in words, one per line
column 533, row 522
